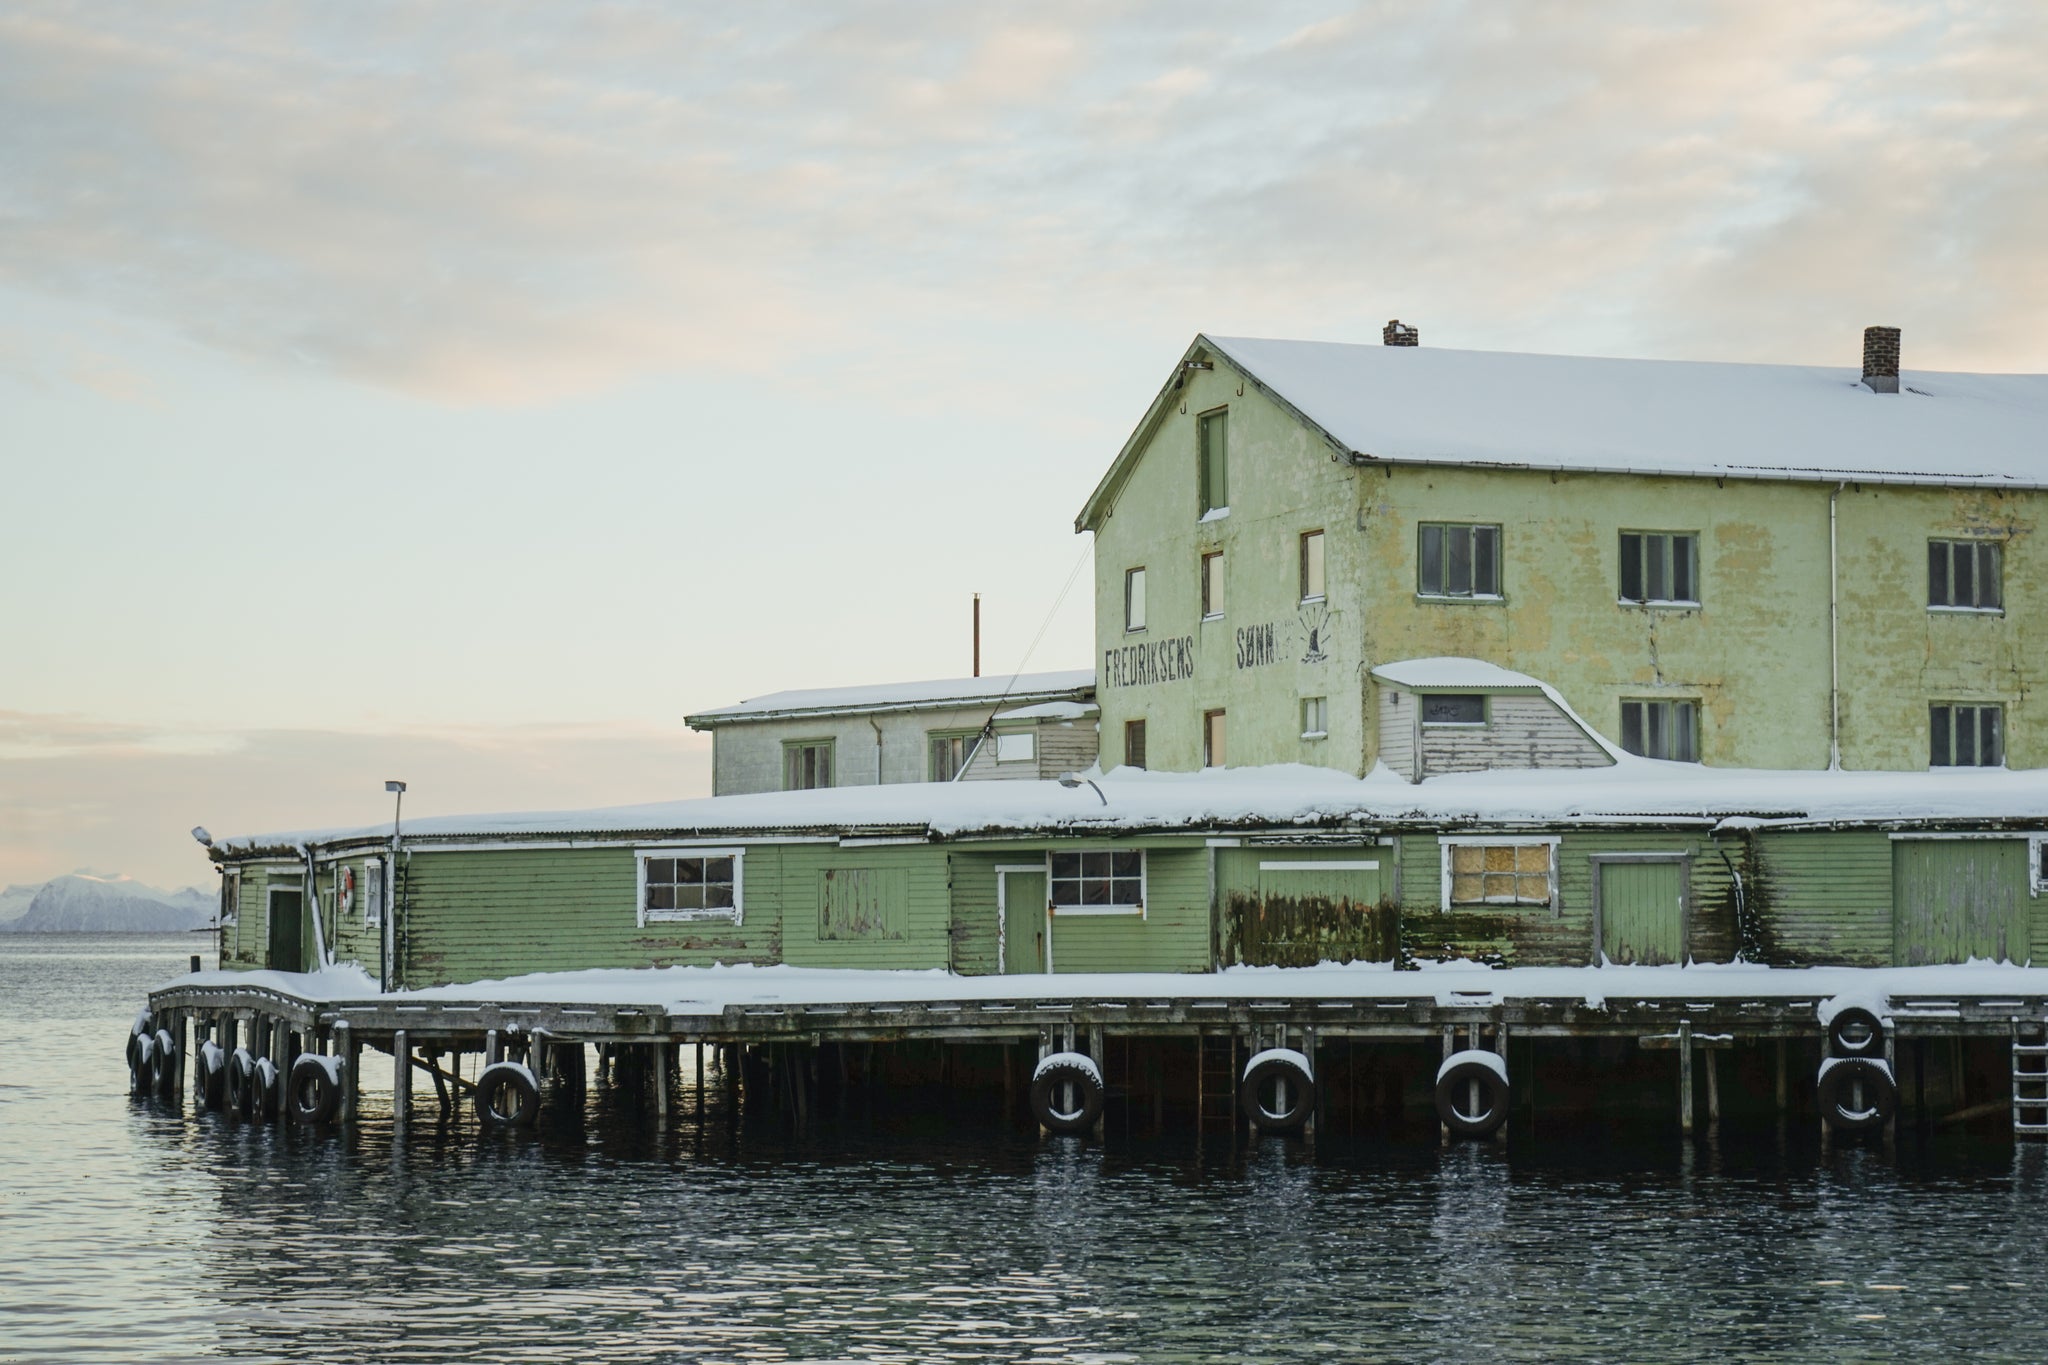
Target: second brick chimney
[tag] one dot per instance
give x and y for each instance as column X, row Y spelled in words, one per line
column 1399, row 333
column 1881, row 359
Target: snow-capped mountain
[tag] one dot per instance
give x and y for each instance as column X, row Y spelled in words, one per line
column 85, row 904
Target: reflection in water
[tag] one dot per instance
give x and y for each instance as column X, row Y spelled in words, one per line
column 142, row 1236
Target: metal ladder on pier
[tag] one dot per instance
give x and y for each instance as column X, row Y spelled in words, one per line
column 2030, row 1078
column 1217, row 1077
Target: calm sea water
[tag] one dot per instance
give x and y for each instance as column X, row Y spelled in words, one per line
column 133, row 1235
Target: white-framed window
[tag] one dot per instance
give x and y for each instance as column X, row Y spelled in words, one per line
column 1134, row 599
column 1109, row 881
column 231, row 896
column 1660, row 568
column 1312, row 584
column 373, row 892
column 1452, row 708
column 1662, row 729
column 1455, row 560
column 1964, row 575
column 1020, row 747
column 1965, row 735
column 1212, row 585
column 1315, row 717
column 1497, row 870
column 2037, row 863
column 1215, row 750
column 691, row 884
column 1212, row 443
column 806, row 764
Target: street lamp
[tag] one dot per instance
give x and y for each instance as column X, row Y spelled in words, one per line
column 1075, row 780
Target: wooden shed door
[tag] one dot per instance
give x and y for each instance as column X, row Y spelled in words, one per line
column 1024, row 922
column 1642, row 912
column 1955, row 899
column 1295, row 907
column 287, row 908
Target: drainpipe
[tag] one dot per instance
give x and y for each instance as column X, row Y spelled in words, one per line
column 1834, row 642
column 313, row 896
column 878, row 749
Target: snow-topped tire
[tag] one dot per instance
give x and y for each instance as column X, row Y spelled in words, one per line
column 209, row 1076
column 1857, row 1094
column 314, row 1095
column 1856, row 1032
column 1067, row 1092
column 140, row 1045
column 163, row 1067
column 507, row 1096
column 1278, row 1090
column 241, row 1083
column 263, row 1091
column 1472, row 1093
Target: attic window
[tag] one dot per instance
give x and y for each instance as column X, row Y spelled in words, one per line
column 1212, row 441
column 1453, row 708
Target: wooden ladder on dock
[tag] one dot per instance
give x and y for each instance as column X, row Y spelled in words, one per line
column 2030, row 1078
column 1216, row 1075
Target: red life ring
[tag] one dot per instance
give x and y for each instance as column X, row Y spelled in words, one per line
column 345, row 890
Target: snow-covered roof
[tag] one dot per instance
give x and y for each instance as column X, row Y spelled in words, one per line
column 1051, row 710
column 1472, row 675
column 1024, row 688
column 1634, row 790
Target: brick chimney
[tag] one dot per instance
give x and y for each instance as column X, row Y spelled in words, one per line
column 1881, row 359
column 1399, row 333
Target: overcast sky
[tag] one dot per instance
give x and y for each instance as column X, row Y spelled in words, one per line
column 464, row 393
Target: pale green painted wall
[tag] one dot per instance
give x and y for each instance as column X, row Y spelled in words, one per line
column 1754, row 654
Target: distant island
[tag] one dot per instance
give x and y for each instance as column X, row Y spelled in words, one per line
column 82, row 903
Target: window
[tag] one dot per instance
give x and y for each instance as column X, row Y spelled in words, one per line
column 1452, row 708
column 949, row 754
column 1661, row 729
column 2037, row 861
column 690, row 886
column 1965, row 736
column 1660, row 566
column 1457, row 561
column 1104, row 882
column 1212, row 436
column 1016, row 748
column 231, row 896
column 1212, row 584
column 1963, row 575
column 1212, row 739
column 807, row 764
column 1312, row 566
column 1134, row 743
column 1315, row 717
column 1134, row 599
column 373, row 893
column 1498, row 873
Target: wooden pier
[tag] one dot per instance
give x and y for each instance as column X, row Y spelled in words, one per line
column 1189, row 1049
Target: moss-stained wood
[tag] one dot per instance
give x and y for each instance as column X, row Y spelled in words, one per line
column 1822, row 896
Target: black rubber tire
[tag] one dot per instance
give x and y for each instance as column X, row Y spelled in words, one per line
column 138, row 1068
column 163, row 1067
column 506, row 1096
column 1055, row 1072
column 312, row 1093
column 1302, row 1102
column 1494, row 1096
column 240, row 1069
column 1837, row 1086
column 1856, row 1032
column 209, row 1078
column 263, row 1088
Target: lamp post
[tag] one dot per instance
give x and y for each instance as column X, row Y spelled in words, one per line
column 389, row 910
column 1071, row 780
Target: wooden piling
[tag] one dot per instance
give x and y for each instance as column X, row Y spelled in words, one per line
column 1685, row 1077
column 401, row 1079
column 1712, row 1064
column 659, row 1057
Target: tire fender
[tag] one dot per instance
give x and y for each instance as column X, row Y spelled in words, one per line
column 1455, row 1095
column 507, row 1096
column 263, row 1088
column 163, row 1066
column 1857, row 1094
column 1278, row 1064
column 1067, row 1092
column 209, row 1088
column 1856, row 1032
column 314, row 1092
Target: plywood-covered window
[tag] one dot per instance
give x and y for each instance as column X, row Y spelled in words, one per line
column 1134, row 599
column 1502, row 872
column 1098, row 881
column 1212, row 442
column 1453, row 560
column 1660, row 567
column 1215, row 749
column 1212, row 584
column 1966, row 735
column 1964, row 575
column 1020, row 747
column 806, row 764
column 1312, row 583
column 697, row 885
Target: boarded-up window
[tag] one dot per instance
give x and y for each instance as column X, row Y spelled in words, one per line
column 1499, row 874
column 1134, row 743
column 690, row 887
column 863, row 903
column 1016, row 748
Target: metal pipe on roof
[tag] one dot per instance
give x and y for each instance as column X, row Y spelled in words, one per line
column 1834, row 642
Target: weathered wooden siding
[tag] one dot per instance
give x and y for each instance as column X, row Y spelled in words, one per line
column 1822, row 896
column 347, row 936
column 1957, row 899
column 504, row 912
column 971, row 882
column 1397, row 730
column 1521, row 731
column 1172, row 936
column 1319, row 912
column 907, row 922
column 1066, row 747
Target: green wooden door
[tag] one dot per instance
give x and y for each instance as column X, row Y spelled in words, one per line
column 1955, row 899
column 1023, row 922
column 287, row 908
column 1642, row 912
